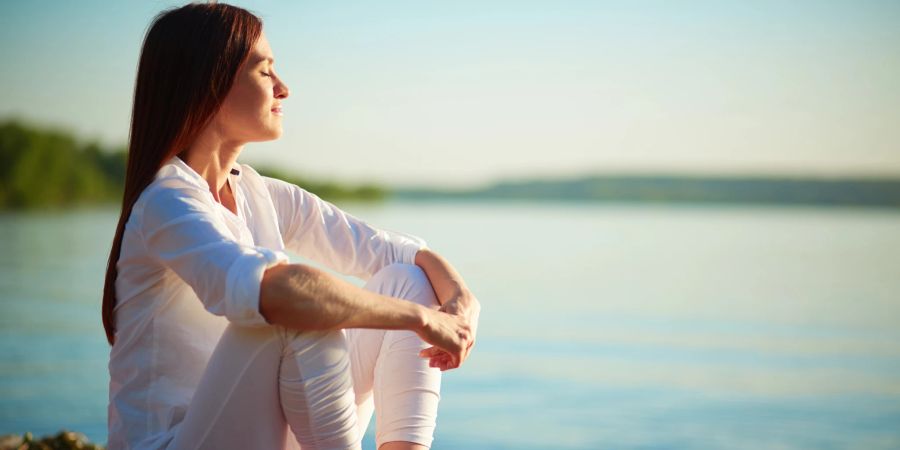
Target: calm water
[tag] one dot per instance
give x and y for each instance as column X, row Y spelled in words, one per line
column 604, row 326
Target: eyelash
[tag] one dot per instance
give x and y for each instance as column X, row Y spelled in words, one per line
column 266, row 74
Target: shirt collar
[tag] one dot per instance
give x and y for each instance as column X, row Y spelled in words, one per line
column 177, row 166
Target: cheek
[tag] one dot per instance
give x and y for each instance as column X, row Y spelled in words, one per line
column 246, row 109
column 254, row 101
column 242, row 89
column 233, row 102
column 243, row 104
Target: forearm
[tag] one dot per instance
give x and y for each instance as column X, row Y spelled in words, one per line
column 444, row 278
column 302, row 297
column 455, row 299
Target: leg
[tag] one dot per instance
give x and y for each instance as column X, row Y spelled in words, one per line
column 388, row 374
column 317, row 390
column 402, row 445
column 259, row 381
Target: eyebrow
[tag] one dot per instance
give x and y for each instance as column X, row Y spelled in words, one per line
column 270, row 59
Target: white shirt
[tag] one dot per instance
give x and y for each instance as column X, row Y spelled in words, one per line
column 188, row 266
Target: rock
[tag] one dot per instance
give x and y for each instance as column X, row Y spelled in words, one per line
column 64, row 440
column 10, row 441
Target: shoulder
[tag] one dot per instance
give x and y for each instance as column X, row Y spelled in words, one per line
column 169, row 197
column 251, row 175
column 276, row 187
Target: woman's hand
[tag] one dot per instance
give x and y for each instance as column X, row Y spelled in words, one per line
column 456, row 301
column 465, row 309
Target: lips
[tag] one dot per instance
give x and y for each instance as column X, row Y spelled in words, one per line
column 277, row 111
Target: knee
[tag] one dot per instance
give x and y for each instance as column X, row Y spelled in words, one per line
column 325, row 348
column 406, row 281
column 396, row 271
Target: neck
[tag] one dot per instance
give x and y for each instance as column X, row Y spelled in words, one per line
column 213, row 158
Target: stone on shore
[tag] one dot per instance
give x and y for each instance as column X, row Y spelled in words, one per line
column 64, row 440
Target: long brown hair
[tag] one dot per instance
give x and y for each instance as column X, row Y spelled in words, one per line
column 188, row 64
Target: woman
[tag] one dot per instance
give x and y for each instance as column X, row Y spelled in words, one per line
column 217, row 341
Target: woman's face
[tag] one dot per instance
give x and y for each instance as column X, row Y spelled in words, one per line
column 252, row 109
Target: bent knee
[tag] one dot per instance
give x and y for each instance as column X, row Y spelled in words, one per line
column 406, row 281
column 411, row 272
column 330, row 344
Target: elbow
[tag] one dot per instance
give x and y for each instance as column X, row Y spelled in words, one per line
column 278, row 292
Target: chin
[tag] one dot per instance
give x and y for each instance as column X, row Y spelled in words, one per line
column 269, row 135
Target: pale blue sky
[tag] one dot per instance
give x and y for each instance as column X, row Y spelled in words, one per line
column 464, row 92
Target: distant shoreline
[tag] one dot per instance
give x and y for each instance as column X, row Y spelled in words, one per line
column 761, row 190
column 49, row 169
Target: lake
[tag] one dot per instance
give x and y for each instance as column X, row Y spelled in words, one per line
column 627, row 326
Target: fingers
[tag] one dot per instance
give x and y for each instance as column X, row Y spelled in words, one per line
column 441, row 362
column 458, row 348
column 444, row 362
column 430, row 352
column 465, row 353
column 438, row 358
column 463, row 356
column 441, row 359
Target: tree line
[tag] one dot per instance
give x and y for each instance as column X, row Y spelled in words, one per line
column 760, row 189
column 42, row 167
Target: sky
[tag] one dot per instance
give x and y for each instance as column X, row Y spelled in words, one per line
column 465, row 93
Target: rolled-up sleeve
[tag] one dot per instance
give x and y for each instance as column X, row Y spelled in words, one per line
column 318, row 230
column 180, row 230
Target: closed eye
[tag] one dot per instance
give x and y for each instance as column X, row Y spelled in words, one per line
column 266, row 74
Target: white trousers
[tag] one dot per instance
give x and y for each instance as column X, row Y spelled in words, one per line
column 274, row 388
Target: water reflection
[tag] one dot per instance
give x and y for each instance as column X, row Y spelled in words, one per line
column 604, row 326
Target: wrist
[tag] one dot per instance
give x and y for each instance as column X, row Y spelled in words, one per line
column 467, row 300
column 417, row 317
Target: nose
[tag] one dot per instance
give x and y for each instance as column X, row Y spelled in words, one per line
column 281, row 90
